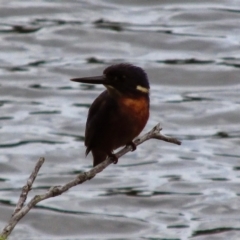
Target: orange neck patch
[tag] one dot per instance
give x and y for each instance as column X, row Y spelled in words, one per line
column 136, row 105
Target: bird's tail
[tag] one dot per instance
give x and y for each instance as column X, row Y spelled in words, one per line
column 98, row 157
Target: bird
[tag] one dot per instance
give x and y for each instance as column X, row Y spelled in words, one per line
column 119, row 114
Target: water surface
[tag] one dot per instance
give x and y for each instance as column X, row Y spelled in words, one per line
column 191, row 54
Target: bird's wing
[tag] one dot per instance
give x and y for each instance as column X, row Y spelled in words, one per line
column 98, row 119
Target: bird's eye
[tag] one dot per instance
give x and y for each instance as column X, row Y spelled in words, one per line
column 120, row 78
column 123, row 78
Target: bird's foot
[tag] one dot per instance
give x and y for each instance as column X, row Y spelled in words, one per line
column 113, row 158
column 133, row 145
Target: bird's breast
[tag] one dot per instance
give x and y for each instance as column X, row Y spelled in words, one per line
column 135, row 112
column 136, row 107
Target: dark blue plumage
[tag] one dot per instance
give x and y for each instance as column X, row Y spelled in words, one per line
column 118, row 114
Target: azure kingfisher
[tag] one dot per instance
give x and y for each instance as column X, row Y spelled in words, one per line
column 118, row 114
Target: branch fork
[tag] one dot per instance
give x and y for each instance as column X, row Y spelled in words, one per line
column 21, row 210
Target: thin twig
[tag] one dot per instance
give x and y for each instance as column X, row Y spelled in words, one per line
column 21, row 211
column 26, row 188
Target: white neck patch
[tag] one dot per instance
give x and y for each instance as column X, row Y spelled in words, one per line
column 142, row 89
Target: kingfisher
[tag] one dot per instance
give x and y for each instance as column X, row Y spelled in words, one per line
column 118, row 114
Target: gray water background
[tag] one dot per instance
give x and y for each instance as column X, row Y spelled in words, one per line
column 191, row 53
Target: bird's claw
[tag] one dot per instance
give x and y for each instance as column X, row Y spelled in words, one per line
column 113, row 158
column 133, row 145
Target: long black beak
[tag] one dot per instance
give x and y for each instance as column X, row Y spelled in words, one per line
column 91, row 80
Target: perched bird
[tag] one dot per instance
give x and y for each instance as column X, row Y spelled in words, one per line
column 118, row 114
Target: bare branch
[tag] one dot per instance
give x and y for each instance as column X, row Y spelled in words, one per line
column 26, row 188
column 20, row 210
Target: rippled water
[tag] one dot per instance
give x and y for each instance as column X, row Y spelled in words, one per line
column 191, row 53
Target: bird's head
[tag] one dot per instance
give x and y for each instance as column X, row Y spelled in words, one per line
column 121, row 79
